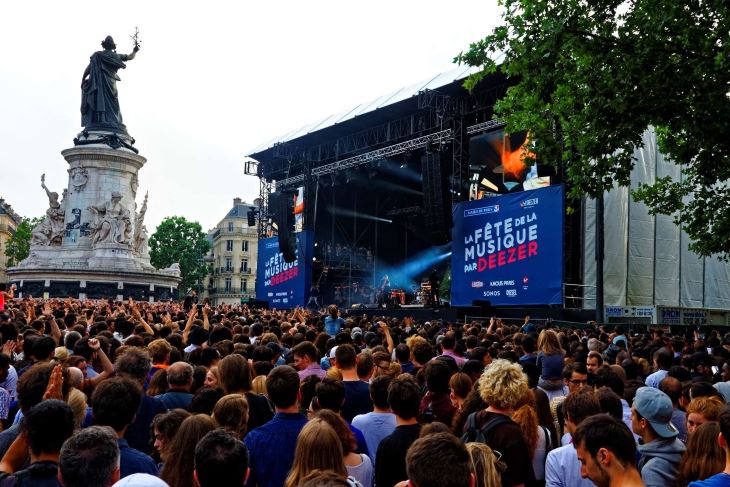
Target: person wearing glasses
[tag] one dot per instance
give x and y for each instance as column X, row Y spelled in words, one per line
column 575, row 377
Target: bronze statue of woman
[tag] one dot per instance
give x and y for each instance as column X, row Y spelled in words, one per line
column 99, row 98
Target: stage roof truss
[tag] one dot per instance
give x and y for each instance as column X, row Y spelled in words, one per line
column 375, row 155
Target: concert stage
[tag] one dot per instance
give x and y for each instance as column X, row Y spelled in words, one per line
column 376, row 187
column 417, row 313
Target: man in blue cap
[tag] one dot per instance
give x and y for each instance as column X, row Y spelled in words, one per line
column 651, row 419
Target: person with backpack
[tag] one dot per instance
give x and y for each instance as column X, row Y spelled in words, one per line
column 502, row 386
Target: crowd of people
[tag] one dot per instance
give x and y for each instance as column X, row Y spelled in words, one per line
column 97, row 393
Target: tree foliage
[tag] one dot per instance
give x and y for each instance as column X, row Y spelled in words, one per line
column 17, row 247
column 177, row 240
column 589, row 78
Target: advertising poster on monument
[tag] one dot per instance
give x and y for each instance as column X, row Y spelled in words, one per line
column 508, row 250
column 284, row 284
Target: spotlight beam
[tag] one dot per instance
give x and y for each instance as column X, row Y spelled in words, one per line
column 334, row 210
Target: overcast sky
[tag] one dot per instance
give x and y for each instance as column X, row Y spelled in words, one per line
column 212, row 81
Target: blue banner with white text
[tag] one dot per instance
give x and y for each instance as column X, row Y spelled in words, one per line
column 508, row 249
column 284, row 285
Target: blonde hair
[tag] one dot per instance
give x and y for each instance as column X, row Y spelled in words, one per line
column 259, row 385
column 503, row 384
column 334, row 373
column 549, row 343
column 77, row 402
column 414, row 340
column 485, row 465
column 318, row 447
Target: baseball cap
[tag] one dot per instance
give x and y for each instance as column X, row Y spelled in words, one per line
column 355, row 331
column 332, row 352
column 724, row 389
column 656, row 407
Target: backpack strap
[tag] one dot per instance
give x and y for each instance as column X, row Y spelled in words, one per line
column 498, row 420
column 548, row 440
column 470, row 429
column 471, row 421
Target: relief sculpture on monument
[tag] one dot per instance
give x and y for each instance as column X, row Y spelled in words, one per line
column 111, row 222
column 139, row 240
column 50, row 230
column 79, row 178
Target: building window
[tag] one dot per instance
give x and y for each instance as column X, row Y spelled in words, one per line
column 244, row 265
column 229, row 245
column 230, row 226
column 244, row 246
column 228, row 284
column 244, row 286
column 229, row 264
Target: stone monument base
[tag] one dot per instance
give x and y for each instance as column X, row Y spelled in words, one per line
column 85, row 283
column 99, row 251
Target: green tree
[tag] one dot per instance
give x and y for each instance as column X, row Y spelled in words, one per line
column 177, row 240
column 589, row 77
column 18, row 246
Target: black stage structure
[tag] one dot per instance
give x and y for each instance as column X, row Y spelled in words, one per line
column 379, row 182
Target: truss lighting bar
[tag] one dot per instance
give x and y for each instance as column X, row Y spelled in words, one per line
column 375, row 155
column 411, row 210
column 481, row 127
column 391, row 150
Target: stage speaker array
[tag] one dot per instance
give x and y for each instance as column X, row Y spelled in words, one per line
column 251, row 215
column 281, row 211
column 436, row 200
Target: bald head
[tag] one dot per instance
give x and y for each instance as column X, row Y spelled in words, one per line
column 180, row 376
column 672, row 388
column 75, row 377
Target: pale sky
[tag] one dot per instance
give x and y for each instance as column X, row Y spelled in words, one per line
column 212, row 81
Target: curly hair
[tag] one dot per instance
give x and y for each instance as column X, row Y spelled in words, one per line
column 503, row 384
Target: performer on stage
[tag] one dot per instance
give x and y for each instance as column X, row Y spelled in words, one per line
column 384, row 291
column 313, row 303
column 435, row 282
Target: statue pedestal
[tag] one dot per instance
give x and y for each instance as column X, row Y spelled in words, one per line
column 89, row 254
